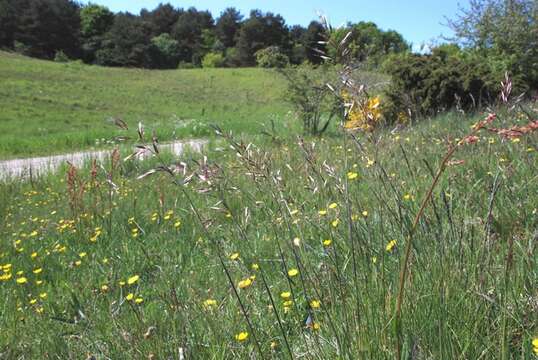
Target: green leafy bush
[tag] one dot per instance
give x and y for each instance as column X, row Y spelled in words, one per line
column 308, row 92
column 271, row 57
column 424, row 85
column 213, row 60
column 506, row 32
column 61, row 57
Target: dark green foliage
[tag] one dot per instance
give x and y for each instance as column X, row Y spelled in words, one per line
column 162, row 19
column 227, row 26
column 260, row 31
column 498, row 38
column 166, row 51
column 126, row 44
column 8, row 23
column 189, row 32
column 445, row 79
column 307, row 43
column 46, row 26
column 311, row 41
column 307, row 90
column 61, row 57
column 504, row 31
column 367, row 43
column 162, row 37
column 271, row 57
column 95, row 21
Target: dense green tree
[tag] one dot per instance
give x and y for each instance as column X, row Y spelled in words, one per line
column 48, row 26
column 127, row 43
column 311, row 40
column 271, row 57
column 505, row 32
column 166, row 36
column 189, row 32
column 227, row 26
column 260, row 31
column 95, row 21
column 8, row 23
column 162, row 18
column 297, row 53
column 367, row 43
column 166, row 51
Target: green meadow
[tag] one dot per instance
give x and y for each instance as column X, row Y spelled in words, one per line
column 260, row 247
column 52, row 107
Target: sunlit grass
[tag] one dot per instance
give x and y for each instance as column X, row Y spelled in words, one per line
column 286, row 236
column 49, row 107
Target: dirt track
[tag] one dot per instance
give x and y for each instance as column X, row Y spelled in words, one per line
column 24, row 168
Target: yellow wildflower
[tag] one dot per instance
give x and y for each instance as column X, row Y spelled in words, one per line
column 243, row 284
column 133, row 279
column 210, row 303
column 390, row 245
column 293, row 272
column 242, row 336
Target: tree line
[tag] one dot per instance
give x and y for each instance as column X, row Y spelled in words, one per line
column 168, row 37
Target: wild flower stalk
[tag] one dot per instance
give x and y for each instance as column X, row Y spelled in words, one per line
column 469, row 139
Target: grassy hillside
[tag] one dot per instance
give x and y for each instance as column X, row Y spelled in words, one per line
column 51, row 107
column 286, row 251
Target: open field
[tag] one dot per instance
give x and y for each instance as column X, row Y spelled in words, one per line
column 52, row 107
column 288, row 250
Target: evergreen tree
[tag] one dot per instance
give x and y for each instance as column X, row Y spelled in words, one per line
column 189, row 32
column 8, row 24
column 127, row 43
column 48, row 26
column 162, row 18
column 260, row 31
column 227, row 26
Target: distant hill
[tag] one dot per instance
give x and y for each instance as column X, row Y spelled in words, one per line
column 57, row 107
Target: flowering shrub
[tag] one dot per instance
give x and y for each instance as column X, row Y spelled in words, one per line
column 362, row 115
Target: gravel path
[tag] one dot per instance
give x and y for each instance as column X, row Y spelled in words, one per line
column 24, row 168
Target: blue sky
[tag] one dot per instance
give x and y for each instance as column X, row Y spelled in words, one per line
column 418, row 20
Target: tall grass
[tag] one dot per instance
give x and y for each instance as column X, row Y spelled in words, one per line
column 284, row 243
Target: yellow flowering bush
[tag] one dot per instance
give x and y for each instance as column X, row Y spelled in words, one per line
column 362, row 115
